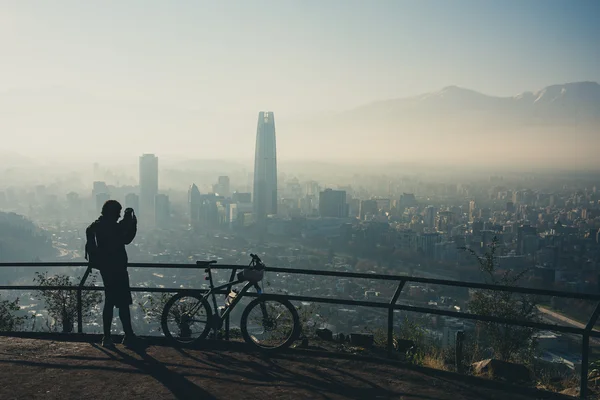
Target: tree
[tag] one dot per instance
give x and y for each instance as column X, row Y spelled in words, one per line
column 8, row 321
column 508, row 342
column 61, row 304
column 153, row 307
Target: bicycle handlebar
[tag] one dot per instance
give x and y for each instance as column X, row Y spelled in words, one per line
column 256, row 262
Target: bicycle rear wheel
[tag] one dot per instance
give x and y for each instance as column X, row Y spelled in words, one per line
column 186, row 318
column 270, row 323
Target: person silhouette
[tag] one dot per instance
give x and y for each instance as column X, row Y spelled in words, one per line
column 111, row 236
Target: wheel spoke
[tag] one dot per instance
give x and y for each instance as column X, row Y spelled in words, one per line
column 270, row 323
column 185, row 319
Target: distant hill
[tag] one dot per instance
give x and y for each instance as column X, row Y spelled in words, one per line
column 559, row 124
column 22, row 240
column 10, row 159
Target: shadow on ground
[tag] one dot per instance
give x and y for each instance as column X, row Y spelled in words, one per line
column 69, row 368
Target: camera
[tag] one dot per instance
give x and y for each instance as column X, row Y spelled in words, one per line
column 129, row 214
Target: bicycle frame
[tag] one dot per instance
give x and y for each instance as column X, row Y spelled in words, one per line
column 235, row 301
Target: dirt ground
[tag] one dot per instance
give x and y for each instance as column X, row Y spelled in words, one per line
column 31, row 369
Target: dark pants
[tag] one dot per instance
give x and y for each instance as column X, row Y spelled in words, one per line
column 117, row 294
column 116, row 288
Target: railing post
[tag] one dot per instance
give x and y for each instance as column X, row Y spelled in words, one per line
column 390, row 333
column 585, row 352
column 79, row 300
column 585, row 348
column 79, row 312
column 458, row 348
column 227, row 327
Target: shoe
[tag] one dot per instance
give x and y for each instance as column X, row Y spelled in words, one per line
column 107, row 342
column 130, row 341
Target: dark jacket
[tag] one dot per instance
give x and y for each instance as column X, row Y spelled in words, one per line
column 111, row 238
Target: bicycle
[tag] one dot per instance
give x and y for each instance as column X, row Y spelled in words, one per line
column 188, row 318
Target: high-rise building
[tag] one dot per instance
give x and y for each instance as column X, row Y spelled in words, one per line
column 510, row 206
column 429, row 216
column 148, row 183
column 407, row 200
column 222, row 186
column 99, row 187
column 368, row 208
column 384, row 205
column 213, row 211
column 194, row 202
column 265, row 167
column 332, row 204
column 238, row 197
column 101, row 198
column 472, row 208
column 162, row 210
column 132, row 200
column 526, row 234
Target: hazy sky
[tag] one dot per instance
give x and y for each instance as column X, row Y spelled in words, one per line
column 70, row 70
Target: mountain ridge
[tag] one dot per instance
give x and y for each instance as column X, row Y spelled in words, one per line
column 558, row 124
column 455, row 90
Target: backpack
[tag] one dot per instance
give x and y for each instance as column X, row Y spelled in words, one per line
column 91, row 248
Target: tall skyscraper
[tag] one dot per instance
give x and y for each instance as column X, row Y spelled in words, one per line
column 195, row 202
column 265, row 167
column 148, row 183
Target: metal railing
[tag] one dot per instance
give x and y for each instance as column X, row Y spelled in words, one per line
column 586, row 333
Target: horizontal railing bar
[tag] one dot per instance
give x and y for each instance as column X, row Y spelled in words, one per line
column 99, row 288
column 484, row 318
column 357, row 275
column 425, row 310
column 85, row 264
column 358, row 303
column 444, row 282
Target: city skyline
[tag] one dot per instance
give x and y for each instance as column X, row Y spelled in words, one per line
column 417, row 142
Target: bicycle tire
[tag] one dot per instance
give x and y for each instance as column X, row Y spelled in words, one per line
column 287, row 304
column 165, row 314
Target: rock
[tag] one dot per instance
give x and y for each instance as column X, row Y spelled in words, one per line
column 325, row 334
column 497, row 369
column 361, row 339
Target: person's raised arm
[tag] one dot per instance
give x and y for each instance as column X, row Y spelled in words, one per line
column 128, row 228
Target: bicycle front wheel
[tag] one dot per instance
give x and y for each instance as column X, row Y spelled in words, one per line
column 186, row 318
column 270, row 323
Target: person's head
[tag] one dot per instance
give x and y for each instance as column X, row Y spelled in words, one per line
column 111, row 209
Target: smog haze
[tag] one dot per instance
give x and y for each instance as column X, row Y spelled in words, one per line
column 429, row 82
